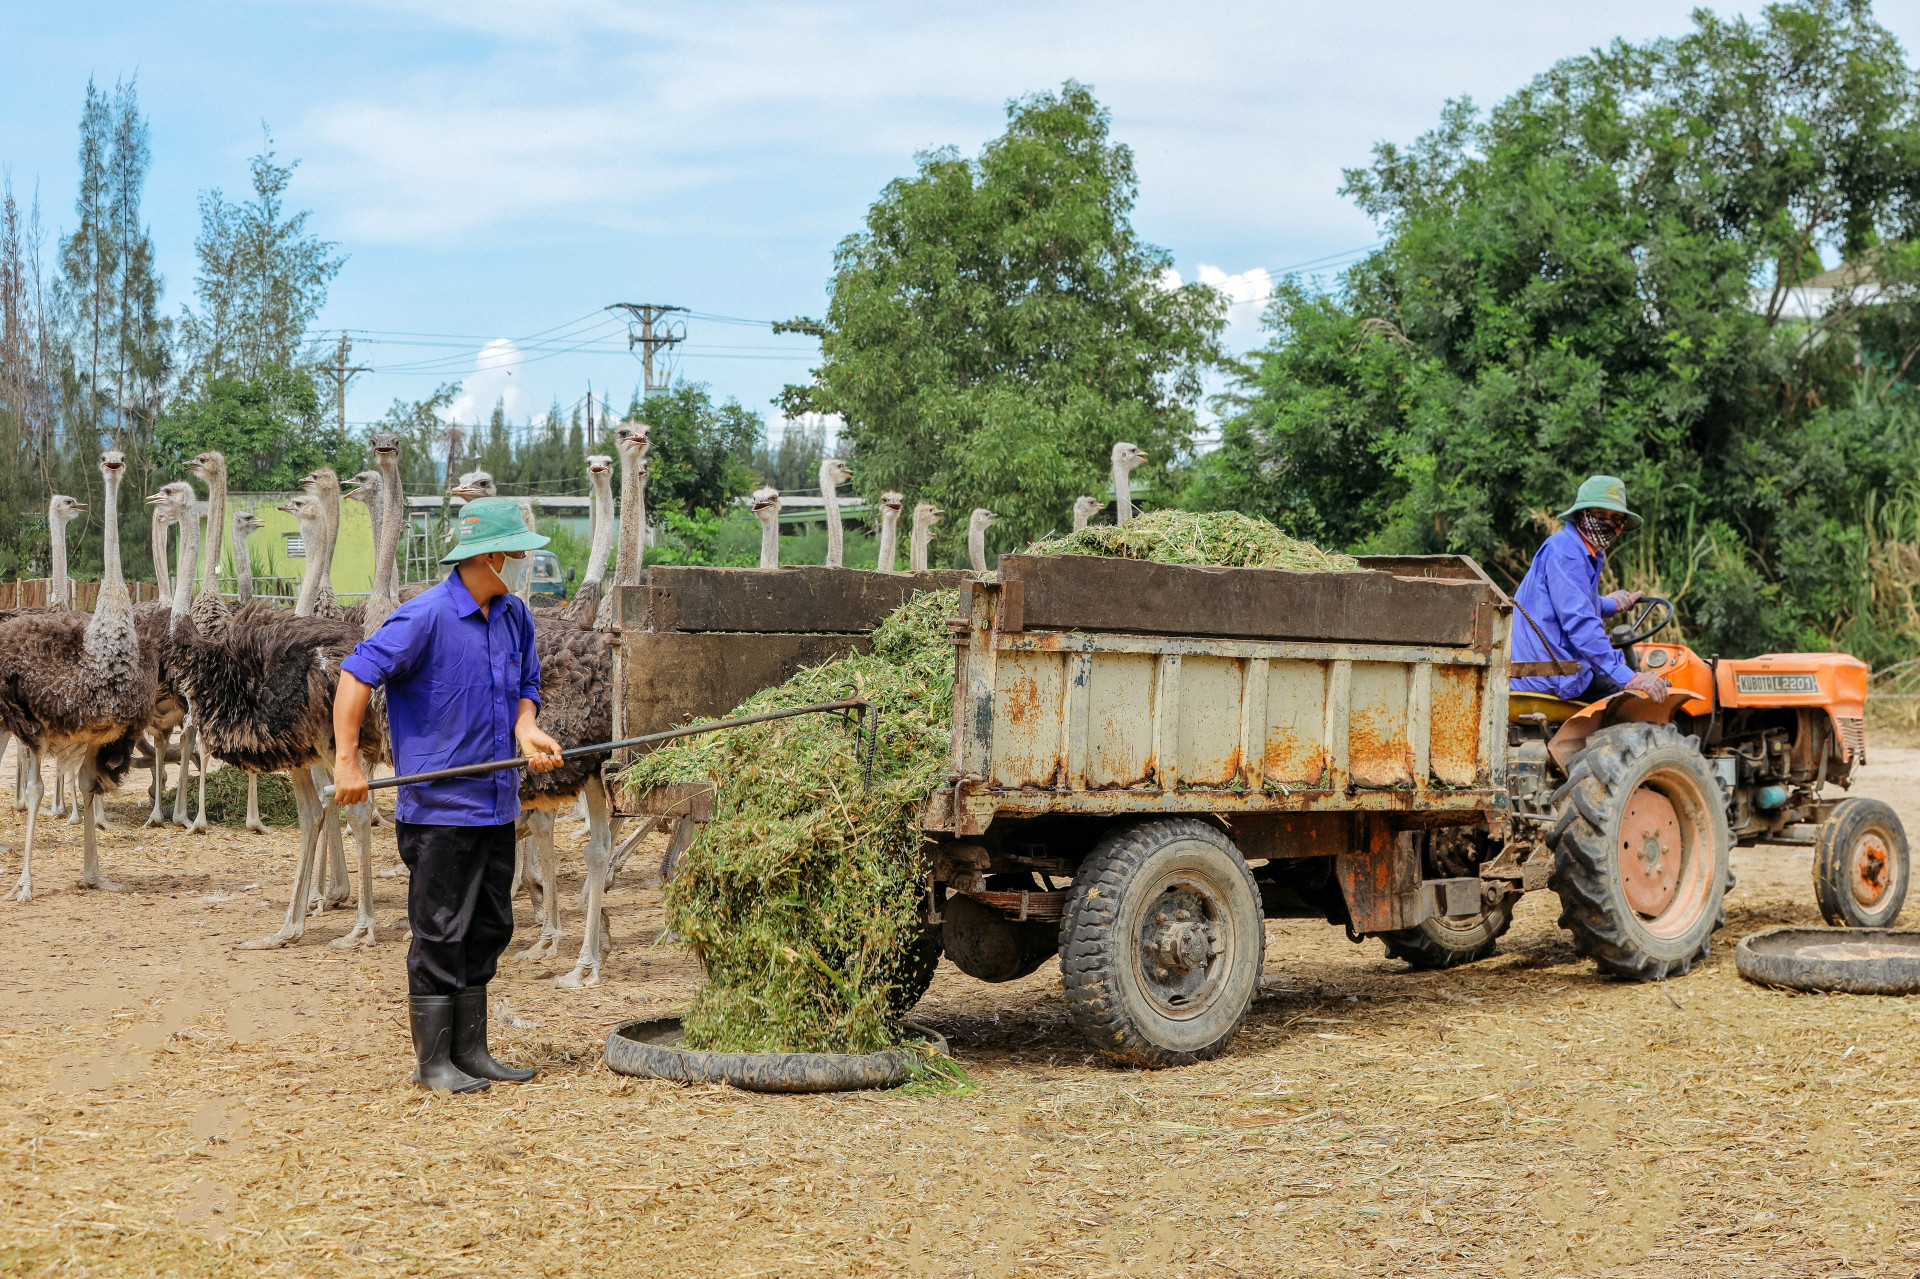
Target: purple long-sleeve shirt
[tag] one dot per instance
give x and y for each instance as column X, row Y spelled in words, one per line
column 1561, row 592
column 454, row 679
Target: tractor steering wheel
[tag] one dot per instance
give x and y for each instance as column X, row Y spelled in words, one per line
column 1640, row 627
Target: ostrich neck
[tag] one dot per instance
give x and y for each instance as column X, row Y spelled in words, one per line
column 524, row 587
column 1122, row 495
column 189, row 553
column 113, row 583
column 917, row 548
column 770, row 542
column 310, row 568
column 830, row 499
column 216, row 533
column 977, row 548
column 602, row 512
column 242, row 566
column 57, row 594
column 391, row 505
column 630, row 520
column 889, row 540
column 162, row 580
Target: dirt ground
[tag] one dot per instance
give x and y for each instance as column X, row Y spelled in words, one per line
column 172, row 1106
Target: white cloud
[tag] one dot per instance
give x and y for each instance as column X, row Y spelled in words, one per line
column 1246, row 293
column 496, row 378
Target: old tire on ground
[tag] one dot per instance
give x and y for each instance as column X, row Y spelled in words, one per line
column 1447, row 940
column 650, row 1049
column 1163, row 944
column 1860, row 865
column 1640, row 852
column 1879, row 961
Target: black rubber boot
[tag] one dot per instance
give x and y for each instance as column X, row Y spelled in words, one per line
column 470, row 1039
column 432, row 1018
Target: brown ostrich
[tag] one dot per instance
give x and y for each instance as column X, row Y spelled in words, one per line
column 79, row 687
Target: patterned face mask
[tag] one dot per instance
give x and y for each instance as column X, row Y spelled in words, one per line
column 1601, row 528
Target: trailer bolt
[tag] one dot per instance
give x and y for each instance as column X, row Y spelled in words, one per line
column 1182, row 915
column 1159, row 974
column 1159, row 916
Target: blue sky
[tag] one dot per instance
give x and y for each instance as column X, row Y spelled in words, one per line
column 496, row 169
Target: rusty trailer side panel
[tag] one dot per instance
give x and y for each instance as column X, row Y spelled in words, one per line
column 1062, row 721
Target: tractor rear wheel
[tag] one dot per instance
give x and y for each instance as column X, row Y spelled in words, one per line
column 1640, row 852
column 1860, row 865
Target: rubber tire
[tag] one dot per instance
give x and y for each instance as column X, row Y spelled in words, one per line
column 1436, row 943
column 1593, row 903
column 1850, row 819
column 1096, row 960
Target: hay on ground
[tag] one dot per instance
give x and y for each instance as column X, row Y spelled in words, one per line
column 227, row 798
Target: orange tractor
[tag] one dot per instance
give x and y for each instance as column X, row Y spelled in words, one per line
column 1738, row 752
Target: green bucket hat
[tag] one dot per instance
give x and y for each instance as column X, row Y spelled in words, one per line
column 1604, row 493
column 490, row 524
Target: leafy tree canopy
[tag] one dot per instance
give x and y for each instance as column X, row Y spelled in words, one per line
column 1598, row 276
column 998, row 326
column 270, row 427
column 701, row 453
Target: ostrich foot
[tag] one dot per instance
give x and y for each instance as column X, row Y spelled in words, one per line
column 22, row 891
column 273, row 941
column 101, row 882
column 360, row 938
column 582, row 976
column 155, row 818
column 548, row 947
column 199, row 826
column 259, row 827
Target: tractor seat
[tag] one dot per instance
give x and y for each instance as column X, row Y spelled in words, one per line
column 1558, row 710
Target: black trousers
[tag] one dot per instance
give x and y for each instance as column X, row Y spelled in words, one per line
column 458, row 903
column 1600, row 686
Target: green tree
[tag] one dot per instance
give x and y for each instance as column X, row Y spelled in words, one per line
column 998, row 325
column 271, row 428
column 701, row 454
column 1569, row 286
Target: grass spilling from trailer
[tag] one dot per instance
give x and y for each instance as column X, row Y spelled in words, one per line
column 803, row 895
column 1220, row 538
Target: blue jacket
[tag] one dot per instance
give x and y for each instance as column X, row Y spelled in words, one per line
column 454, row 681
column 1561, row 592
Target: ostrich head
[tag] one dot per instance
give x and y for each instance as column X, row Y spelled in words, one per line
column 173, row 500
column 64, row 510
column 1127, row 456
column 385, row 444
column 1084, row 509
column 981, row 520
column 766, row 505
column 474, row 484
column 891, row 503
column 246, row 524
column 304, row 506
column 113, row 465
column 323, row 482
column 833, row 473
column 366, row 487
column 633, row 438
column 210, row 466
column 926, row 515
column 599, row 464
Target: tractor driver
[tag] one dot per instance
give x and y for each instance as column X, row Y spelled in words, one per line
column 1562, row 610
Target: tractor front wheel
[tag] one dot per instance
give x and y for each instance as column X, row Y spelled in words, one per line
column 1640, row 852
column 1860, row 865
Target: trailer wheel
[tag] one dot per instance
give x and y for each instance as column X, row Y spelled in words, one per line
column 1860, row 865
column 1444, row 941
column 1640, row 852
column 1164, row 943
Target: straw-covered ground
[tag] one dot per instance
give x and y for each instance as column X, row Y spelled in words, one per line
column 171, row 1106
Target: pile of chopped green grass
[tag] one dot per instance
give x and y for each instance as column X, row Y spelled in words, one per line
column 227, row 798
column 1225, row 538
column 804, row 892
column 803, row 895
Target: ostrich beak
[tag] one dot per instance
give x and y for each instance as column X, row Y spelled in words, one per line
column 466, row 491
column 153, row 499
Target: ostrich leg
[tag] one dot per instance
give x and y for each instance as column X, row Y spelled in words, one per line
column 189, row 748
column 330, row 888
column 199, row 824
column 360, row 817
column 23, row 891
column 307, row 800
column 540, row 837
column 254, row 823
column 161, row 741
column 90, row 876
column 586, row 969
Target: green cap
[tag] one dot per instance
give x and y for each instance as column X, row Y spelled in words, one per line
column 1604, row 493
column 490, row 524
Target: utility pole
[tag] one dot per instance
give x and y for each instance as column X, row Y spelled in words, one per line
column 646, row 315
column 341, row 371
column 589, row 416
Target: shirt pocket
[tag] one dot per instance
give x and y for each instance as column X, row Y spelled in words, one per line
column 449, row 726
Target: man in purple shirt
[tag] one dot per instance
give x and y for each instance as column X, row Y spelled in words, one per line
column 1561, row 606
column 463, row 687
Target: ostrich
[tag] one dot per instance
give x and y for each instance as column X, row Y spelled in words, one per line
column 61, row 511
column 1084, row 509
column 977, row 538
column 170, row 707
column 245, row 525
column 210, row 615
column 80, row 688
column 766, row 509
column 833, row 473
column 890, row 504
column 1125, row 457
column 631, row 441
column 322, row 486
column 925, row 516
column 584, row 607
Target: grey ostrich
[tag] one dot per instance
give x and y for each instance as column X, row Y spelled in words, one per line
column 890, row 504
column 925, row 516
column 61, row 511
column 1084, row 509
column 766, row 509
column 631, row 441
column 977, row 527
column 584, row 607
column 79, row 687
column 245, row 524
column 833, row 473
column 1125, row 457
